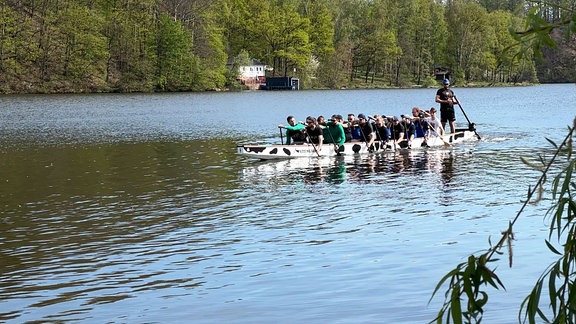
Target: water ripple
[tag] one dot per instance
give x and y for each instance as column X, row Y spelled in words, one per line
column 112, row 203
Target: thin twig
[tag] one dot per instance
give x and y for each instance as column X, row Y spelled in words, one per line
column 532, row 192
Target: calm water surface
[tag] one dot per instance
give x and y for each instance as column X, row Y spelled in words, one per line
column 136, row 209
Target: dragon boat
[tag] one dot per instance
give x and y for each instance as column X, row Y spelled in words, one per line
column 307, row 150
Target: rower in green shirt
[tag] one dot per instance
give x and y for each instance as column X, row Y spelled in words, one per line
column 294, row 131
column 334, row 132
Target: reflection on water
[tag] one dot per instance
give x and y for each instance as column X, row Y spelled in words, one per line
column 368, row 168
column 81, row 225
column 88, row 231
column 136, row 209
column 105, row 223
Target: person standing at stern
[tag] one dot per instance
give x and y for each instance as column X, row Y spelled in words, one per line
column 445, row 97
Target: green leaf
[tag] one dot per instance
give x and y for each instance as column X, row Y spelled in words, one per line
column 552, row 292
column 456, row 309
column 552, row 248
column 552, row 142
column 450, row 274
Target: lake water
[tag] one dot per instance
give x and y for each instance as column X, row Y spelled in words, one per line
column 135, row 208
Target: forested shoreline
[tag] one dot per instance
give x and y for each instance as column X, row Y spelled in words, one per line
column 67, row 46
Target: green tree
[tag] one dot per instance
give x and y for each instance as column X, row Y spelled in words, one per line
column 421, row 35
column 208, row 42
column 501, row 64
column 129, row 45
column 233, row 74
column 84, row 46
column 238, row 22
column 502, row 5
column 468, row 25
column 176, row 64
column 321, row 37
column 16, row 50
column 375, row 46
column 440, row 53
column 557, row 64
column 321, row 29
column 129, row 28
column 348, row 16
column 204, row 21
column 47, row 43
column 286, row 37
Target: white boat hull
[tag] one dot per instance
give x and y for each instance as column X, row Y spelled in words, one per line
column 269, row 152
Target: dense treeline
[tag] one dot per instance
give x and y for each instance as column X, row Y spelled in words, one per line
column 185, row 45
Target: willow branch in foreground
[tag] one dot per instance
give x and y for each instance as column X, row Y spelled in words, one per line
column 467, row 279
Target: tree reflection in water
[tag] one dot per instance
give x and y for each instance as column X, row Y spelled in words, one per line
column 371, row 168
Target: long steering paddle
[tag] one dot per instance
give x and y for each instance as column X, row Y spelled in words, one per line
column 470, row 124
